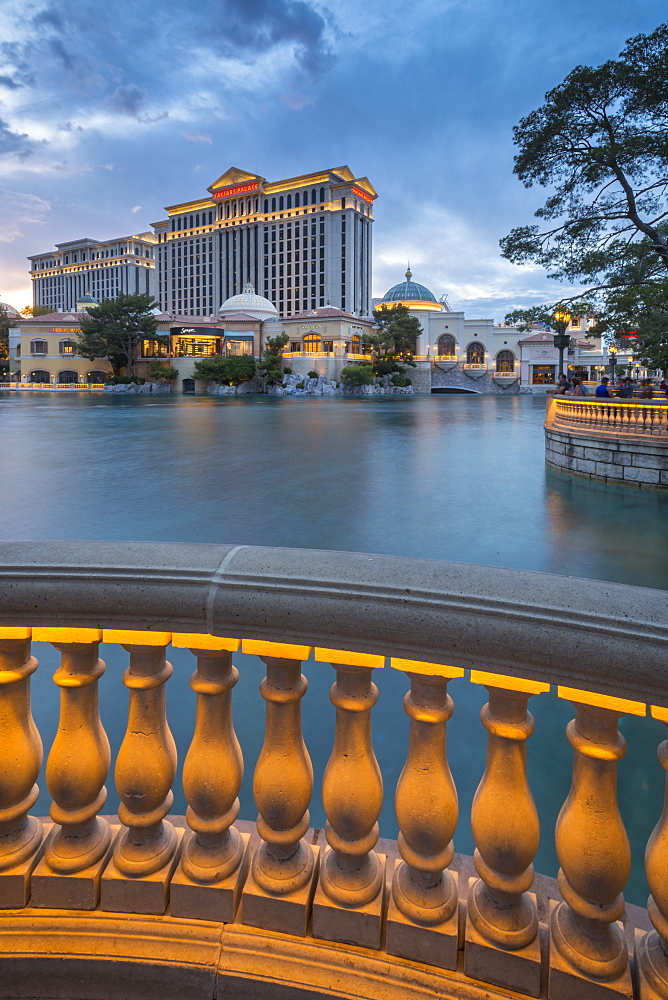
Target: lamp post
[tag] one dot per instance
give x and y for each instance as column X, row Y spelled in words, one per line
column 561, row 339
column 612, row 354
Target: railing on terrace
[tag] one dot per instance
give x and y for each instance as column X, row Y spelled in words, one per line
column 52, row 385
column 611, row 416
column 93, row 909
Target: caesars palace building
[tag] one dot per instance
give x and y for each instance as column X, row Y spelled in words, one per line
column 303, row 243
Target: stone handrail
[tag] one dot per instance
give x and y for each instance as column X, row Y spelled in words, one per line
column 263, row 906
column 608, row 416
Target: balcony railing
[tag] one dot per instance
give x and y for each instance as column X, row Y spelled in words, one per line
column 150, row 905
column 620, row 418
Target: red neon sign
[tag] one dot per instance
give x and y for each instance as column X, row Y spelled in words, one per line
column 627, row 334
column 237, row 189
column 362, row 194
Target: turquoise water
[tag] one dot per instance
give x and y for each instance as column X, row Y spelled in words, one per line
column 443, row 477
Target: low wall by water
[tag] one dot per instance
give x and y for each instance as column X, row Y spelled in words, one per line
column 612, row 441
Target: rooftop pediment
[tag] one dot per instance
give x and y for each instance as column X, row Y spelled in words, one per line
column 234, row 176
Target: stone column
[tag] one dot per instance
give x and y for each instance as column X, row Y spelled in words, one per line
column 214, row 860
column 77, row 850
column 651, row 948
column 423, row 913
column 502, row 944
column 21, row 835
column 279, row 889
column 146, row 851
column 350, row 898
column 588, row 951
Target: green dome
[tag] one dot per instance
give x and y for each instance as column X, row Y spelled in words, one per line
column 409, row 291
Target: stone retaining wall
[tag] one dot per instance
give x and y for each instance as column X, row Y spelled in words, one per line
column 642, row 462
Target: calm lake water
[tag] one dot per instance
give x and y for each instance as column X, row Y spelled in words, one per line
column 443, row 477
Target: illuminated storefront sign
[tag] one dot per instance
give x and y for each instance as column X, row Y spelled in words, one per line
column 66, row 329
column 362, row 194
column 237, row 189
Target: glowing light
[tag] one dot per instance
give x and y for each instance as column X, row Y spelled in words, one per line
column 362, row 194
column 238, row 189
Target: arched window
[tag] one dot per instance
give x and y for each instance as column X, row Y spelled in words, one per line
column 314, row 196
column 66, row 347
column 288, row 203
column 446, row 344
column 475, row 354
column 197, row 221
column 67, row 378
column 297, row 200
column 322, row 194
column 505, row 361
column 95, row 377
column 39, row 376
column 38, row 347
column 273, row 204
column 281, row 202
column 312, row 342
column 266, row 205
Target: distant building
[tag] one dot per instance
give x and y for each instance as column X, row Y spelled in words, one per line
column 302, row 242
column 47, row 355
column 455, row 353
column 100, row 269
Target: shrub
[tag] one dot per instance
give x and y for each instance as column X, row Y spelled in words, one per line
column 287, row 371
column 312, row 375
column 300, row 385
column 123, row 380
column 158, row 372
column 357, row 375
column 400, row 380
column 228, row 370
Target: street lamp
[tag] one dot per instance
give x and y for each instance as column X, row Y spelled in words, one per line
column 612, row 354
column 561, row 339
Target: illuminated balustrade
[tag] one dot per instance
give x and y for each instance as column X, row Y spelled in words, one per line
column 289, row 907
column 614, row 416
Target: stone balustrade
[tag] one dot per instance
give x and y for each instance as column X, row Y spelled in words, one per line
column 617, row 441
column 149, row 903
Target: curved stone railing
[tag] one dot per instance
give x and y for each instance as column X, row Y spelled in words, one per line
column 155, row 904
column 614, row 416
column 617, row 441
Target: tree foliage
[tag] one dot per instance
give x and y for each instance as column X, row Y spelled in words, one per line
column 270, row 368
column 159, row 371
column 599, row 144
column 229, row 370
column 6, row 324
column 115, row 329
column 31, row 312
column 357, row 375
column 393, row 346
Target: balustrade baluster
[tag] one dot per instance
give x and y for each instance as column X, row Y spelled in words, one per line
column 423, row 913
column 279, row 889
column 588, row 951
column 502, row 944
column 651, row 949
column 21, row 835
column 214, row 859
column 350, row 897
column 145, row 854
column 77, row 849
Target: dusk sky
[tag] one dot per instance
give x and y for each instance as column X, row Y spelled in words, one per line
column 110, row 111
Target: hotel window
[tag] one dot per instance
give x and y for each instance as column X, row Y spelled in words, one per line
column 328, row 345
column 66, row 347
column 446, row 344
column 475, row 354
column 312, row 343
column 39, row 376
column 543, row 374
column 505, row 361
column 38, row 347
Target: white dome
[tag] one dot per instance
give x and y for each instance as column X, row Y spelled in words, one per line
column 11, row 311
column 249, row 302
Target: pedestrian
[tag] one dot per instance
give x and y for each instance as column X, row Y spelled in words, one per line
column 562, row 385
column 626, row 392
column 578, row 388
column 602, row 390
column 646, row 390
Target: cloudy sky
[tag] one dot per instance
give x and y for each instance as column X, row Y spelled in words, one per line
column 110, row 111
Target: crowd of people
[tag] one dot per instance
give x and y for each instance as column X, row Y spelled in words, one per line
column 623, row 388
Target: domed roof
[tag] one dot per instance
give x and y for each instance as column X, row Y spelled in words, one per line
column 11, row 311
column 409, row 291
column 250, row 303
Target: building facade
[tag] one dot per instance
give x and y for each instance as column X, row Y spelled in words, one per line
column 303, row 243
column 102, row 269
